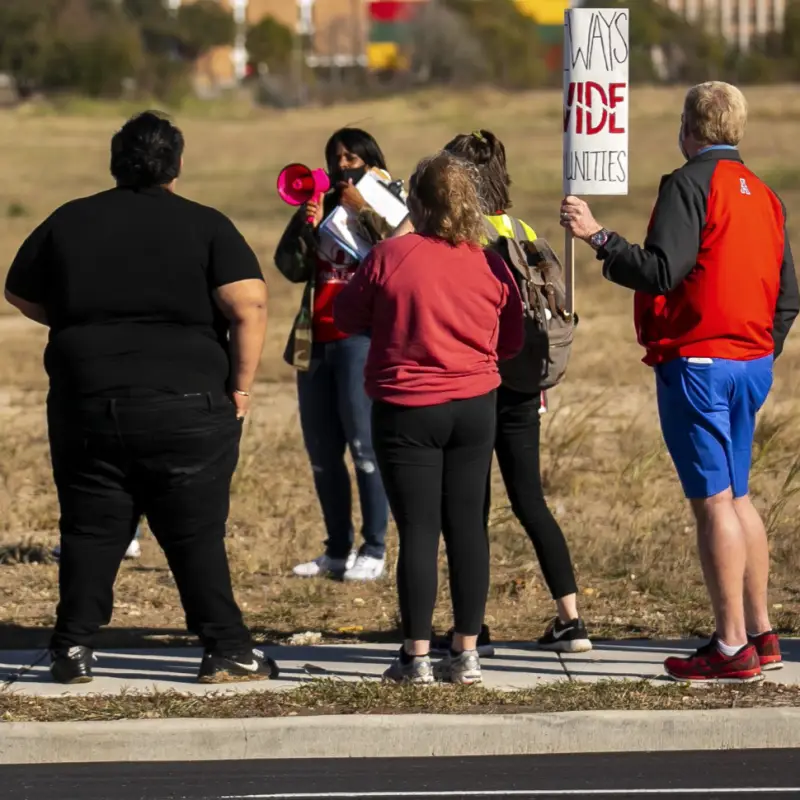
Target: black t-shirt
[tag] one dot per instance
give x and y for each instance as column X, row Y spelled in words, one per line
column 126, row 279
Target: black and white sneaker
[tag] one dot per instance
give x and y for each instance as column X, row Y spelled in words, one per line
column 566, row 637
column 443, row 644
column 249, row 665
column 72, row 666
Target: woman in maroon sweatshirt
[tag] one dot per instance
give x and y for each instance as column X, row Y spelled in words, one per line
column 441, row 313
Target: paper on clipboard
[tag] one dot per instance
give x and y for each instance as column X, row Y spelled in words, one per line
column 381, row 200
column 340, row 222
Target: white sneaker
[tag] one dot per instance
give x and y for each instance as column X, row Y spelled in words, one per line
column 463, row 669
column 366, row 568
column 324, row 565
column 134, row 550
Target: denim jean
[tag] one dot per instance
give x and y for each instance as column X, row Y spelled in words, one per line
column 335, row 416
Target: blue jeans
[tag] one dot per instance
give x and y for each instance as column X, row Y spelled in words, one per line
column 335, row 416
column 708, row 410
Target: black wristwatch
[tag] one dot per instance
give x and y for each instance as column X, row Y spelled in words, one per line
column 598, row 240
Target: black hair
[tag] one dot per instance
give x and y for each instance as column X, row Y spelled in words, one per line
column 147, row 151
column 358, row 142
column 483, row 149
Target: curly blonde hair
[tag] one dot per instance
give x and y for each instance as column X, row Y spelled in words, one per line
column 444, row 202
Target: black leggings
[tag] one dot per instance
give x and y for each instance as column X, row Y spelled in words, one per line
column 517, row 447
column 434, row 461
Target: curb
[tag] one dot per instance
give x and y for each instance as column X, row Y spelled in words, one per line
column 418, row 735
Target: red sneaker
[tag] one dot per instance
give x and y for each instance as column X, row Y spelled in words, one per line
column 768, row 647
column 710, row 665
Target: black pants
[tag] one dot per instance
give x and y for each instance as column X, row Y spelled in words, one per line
column 434, row 461
column 517, row 448
column 171, row 459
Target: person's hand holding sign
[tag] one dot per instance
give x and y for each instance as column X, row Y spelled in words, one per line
column 577, row 217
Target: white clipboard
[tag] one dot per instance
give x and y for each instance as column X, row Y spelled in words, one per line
column 339, row 224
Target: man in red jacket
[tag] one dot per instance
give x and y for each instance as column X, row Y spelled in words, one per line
column 716, row 294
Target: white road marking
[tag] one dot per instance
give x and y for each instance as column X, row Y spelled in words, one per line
column 516, row 793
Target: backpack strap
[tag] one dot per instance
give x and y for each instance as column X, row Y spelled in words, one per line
column 544, row 258
column 519, row 232
column 519, row 263
column 517, row 259
column 491, row 232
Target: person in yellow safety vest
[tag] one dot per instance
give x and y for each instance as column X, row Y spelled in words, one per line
column 519, row 426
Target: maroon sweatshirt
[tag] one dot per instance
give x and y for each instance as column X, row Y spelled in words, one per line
column 439, row 316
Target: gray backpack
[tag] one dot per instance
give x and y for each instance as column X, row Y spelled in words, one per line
column 549, row 327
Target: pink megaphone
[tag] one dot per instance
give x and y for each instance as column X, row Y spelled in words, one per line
column 298, row 184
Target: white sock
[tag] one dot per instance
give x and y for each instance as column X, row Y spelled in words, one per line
column 727, row 649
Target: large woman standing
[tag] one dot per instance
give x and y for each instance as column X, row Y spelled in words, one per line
column 157, row 313
column 518, row 423
column 334, row 409
column 441, row 312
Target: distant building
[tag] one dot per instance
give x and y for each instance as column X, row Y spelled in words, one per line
column 549, row 14
column 390, row 28
column 347, row 33
column 737, row 21
column 545, row 12
column 390, row 32
column 334, row 34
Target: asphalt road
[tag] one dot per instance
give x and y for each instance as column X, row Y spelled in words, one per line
column 725, row 775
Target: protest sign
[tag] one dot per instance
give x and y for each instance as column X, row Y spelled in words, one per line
column 596, row 100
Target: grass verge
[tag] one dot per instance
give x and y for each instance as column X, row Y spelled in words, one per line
column 327, row 697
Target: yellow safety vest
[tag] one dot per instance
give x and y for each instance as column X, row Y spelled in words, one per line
column 502, row 224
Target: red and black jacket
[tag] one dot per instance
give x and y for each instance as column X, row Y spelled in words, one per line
column 715, row 277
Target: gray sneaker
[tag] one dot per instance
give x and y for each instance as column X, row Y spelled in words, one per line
column 464, row 669
column 418, row 670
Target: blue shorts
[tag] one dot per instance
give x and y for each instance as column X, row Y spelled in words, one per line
column 708, row 413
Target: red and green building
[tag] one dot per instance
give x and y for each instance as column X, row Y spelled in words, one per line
column 390, row 29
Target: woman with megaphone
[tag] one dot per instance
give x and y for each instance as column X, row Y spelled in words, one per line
column 334, row 408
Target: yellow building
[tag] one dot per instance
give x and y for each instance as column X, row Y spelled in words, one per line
column 545, row 12
column 549, row 15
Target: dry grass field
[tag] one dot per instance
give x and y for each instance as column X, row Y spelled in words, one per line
column 607, row 474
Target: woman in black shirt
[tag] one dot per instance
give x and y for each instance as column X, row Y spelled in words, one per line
column 157, row 314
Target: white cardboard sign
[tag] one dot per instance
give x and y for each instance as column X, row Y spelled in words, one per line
column 596, row 101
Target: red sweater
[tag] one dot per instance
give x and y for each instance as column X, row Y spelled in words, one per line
column 440, row 317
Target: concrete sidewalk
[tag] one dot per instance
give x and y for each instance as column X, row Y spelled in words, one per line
column 513, row 667
column 355, row 735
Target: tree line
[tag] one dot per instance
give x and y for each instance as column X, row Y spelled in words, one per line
column 107, row 48
column 110, row 48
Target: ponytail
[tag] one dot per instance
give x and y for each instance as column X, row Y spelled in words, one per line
column 483, row 149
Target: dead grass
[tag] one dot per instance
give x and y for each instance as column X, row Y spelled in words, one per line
column 608, row 477
column 337, row 697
